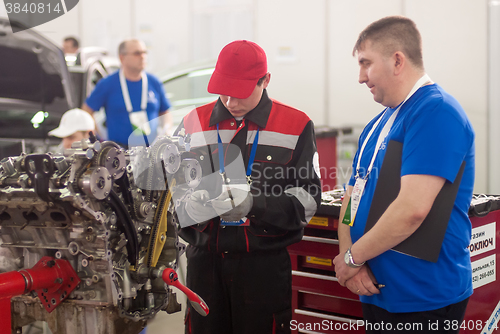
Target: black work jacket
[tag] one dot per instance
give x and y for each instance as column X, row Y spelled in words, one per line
column 285, row 186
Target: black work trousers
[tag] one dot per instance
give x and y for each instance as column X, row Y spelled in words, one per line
column 445, row 320
column 245, row 292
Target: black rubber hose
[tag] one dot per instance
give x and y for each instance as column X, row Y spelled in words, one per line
column 127, row 226
column 124, row 185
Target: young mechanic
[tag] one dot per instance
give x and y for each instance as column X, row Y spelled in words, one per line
column 237, row 257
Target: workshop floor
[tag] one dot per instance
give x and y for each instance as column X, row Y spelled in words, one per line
column 163, row 323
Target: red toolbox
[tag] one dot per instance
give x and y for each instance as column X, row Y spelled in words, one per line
column 483, row 310
column 326, row 144
column 321, row 305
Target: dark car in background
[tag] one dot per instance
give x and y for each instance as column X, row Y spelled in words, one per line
column 38, row 83
column 37, row 86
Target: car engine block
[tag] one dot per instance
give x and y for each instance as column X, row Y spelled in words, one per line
column 110, row 213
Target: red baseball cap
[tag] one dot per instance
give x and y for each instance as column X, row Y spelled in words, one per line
column 239, row 67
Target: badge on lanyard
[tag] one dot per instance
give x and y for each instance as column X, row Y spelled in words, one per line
column 242, row 222
column 138, row 119
column 352, row 207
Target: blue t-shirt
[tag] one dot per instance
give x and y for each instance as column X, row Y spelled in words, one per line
column 108, row 94
column 437, row 137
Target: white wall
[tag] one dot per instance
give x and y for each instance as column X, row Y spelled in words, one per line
column 293, row 34
column 494, row 99
column 218, row 22
column 455, row 55
column 454, row 35
column 309, row 46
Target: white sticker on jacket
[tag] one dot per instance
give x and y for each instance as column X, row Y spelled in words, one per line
column 316, row 164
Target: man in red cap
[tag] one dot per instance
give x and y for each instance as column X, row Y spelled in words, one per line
column 239, row 225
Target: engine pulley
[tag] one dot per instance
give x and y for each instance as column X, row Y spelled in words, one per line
column 96, row 182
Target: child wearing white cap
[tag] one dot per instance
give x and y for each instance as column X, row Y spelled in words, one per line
column 74, row 126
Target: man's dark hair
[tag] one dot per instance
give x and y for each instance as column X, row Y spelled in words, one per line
column 391, row 34
column 261, row 80
column 73, row 41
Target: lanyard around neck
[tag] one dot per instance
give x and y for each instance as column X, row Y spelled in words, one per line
column 126, row 95
column 387, row 127
column 250, row 160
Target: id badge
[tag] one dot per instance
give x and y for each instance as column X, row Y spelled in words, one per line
column 356, row 194
column 242, row 222
column 139, row 120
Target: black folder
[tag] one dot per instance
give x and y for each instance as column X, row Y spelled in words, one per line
column 425, row 243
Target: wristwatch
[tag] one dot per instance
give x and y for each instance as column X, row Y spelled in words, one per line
column 349, row 261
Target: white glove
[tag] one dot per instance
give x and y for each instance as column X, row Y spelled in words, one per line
column 242, row 200
column 199, row 208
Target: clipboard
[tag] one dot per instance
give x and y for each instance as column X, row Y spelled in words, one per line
column 425, row 243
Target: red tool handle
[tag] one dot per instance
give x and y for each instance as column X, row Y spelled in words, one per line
column 170, row 277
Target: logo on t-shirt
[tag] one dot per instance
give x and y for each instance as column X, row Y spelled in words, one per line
column 382, row 146
column 152, row 97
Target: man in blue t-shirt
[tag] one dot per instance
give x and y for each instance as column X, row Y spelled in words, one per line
column 397, row 290
column 134, row 101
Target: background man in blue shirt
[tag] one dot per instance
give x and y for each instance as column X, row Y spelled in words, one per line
column 132, row 98
column 437, row 140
